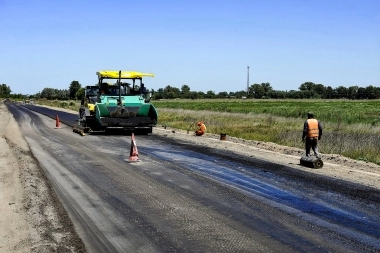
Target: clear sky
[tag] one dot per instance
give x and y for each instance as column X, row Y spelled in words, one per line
column 206, row 44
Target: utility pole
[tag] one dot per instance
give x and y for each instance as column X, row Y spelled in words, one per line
column 247, row 81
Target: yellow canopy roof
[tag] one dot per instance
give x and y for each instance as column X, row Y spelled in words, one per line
column 114, row 74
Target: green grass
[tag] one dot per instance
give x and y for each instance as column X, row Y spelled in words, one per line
column 346, row 111
column 351, row 128
column 67, row 104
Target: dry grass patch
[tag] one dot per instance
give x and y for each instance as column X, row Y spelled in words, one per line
column 356, row 141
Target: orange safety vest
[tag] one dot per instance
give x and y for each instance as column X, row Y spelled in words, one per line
column 312, row 128
column 201, row 130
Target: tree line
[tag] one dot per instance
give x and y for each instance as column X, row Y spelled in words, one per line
column 75, row 91
column 5, row 90
column 306, row 90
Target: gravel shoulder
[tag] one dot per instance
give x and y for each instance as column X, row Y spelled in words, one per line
column 32, row 220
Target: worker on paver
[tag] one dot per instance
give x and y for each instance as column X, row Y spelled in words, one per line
column 312, row 132
column 201, row 130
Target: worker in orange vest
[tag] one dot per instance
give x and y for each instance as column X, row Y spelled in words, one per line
column 312, row 132
column 201, row 130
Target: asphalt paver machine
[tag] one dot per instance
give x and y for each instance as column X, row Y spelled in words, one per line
column 119, row 101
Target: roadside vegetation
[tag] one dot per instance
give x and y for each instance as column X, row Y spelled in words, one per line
column 66, row 104
column 351, row 128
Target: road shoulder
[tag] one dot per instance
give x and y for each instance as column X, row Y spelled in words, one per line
column 31, row 220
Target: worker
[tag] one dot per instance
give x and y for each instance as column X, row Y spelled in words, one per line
column 142, row 89
column 201, row 130
column 312, row 132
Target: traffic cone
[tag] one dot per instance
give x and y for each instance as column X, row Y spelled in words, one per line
column 57, row 124
column 134, row 154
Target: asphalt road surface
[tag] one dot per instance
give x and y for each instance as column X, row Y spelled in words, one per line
column 186, row 198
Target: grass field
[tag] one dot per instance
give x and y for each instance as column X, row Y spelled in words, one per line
column 350, row 128
column 346, row 111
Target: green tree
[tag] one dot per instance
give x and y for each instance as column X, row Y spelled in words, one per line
column 361, row 93
column 194, row 95
column 210, row 94
column 307, row 86
column 231, row 94
column 74, row 87
column 241, row 93
column 257, row 90
column 185, row 88
column 309, row 94
column 171, row 92
column 276, row 94
column 159, row 94
column 48, row 93
column 80, row 93
column 222, row 94
column 170, row 95
column 61, row 94
column 5, row 90
column 201, row 94
column 341, row 92
column 267, row 87
column 372, row 92
column 320, row 89
column 329, row 92
column 185, row 91
column 352, row 91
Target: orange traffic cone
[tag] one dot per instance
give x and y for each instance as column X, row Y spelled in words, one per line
column 57, row 124
column 134, row 154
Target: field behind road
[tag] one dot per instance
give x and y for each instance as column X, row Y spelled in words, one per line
column 351, row 128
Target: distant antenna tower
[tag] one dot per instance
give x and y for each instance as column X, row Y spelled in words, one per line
column 247, row 80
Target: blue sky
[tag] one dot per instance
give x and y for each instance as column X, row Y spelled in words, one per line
column 206, row 45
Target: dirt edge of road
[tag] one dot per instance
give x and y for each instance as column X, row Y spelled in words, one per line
column 32, row 218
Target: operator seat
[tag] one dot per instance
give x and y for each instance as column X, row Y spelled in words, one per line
column 104, row 88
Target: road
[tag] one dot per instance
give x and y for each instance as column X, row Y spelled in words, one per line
column 186, row 198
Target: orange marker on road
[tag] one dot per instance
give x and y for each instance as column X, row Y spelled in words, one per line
column 57, row 123
column 134, row 154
